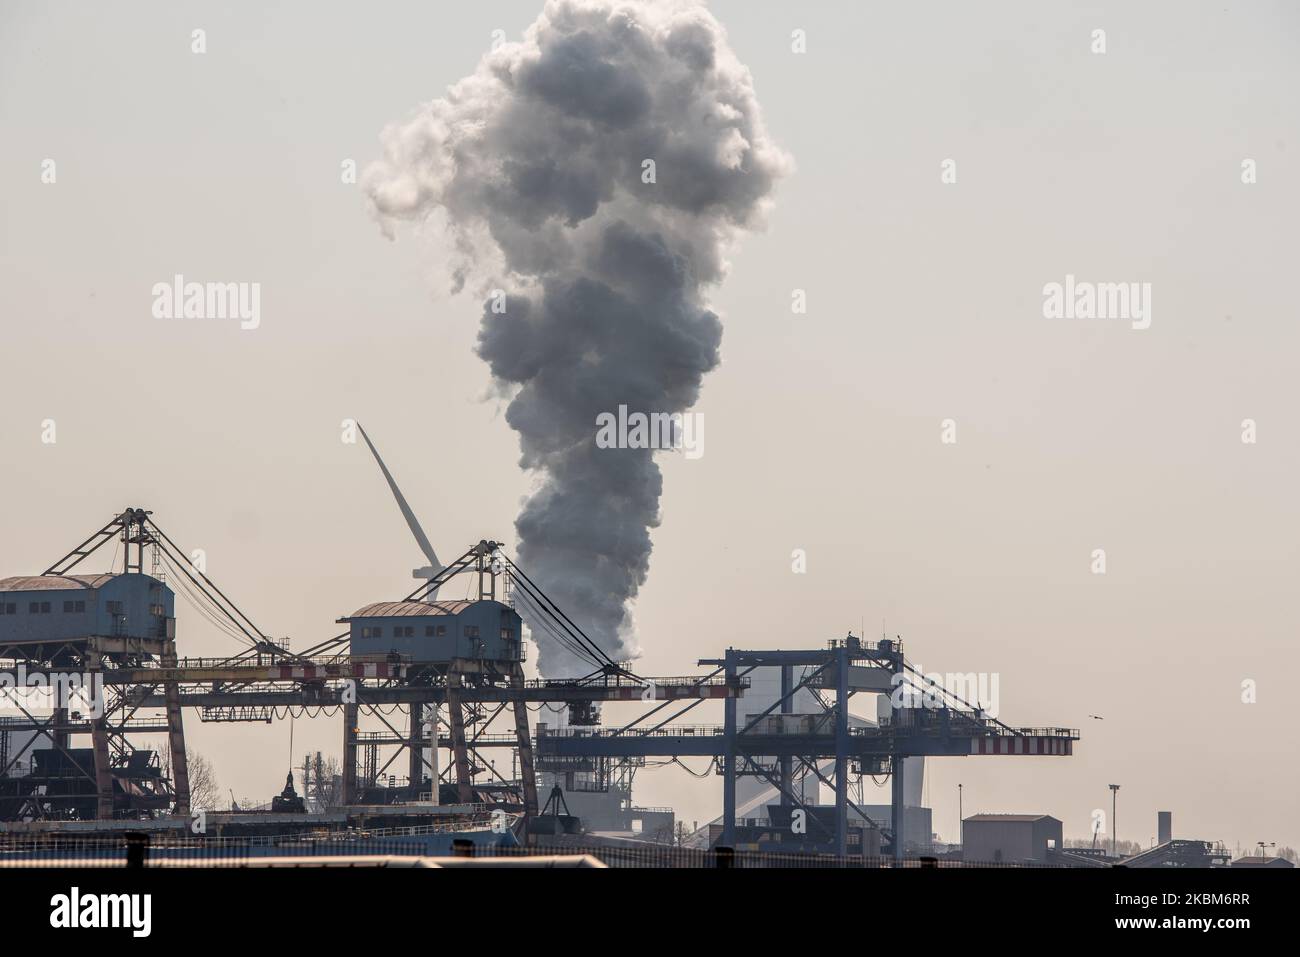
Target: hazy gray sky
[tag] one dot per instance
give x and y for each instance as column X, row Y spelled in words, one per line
column 924, row 303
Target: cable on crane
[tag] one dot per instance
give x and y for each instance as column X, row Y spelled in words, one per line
column 541, row 621
column 595, row 653
column 952, row 694
column 196, row 600
column 231, row 611
column 707, row 772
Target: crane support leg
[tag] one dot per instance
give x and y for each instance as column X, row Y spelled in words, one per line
column 842, row 754
column 729, row 759
column 415, row 744
column 460, row 751
column 526, row 772
column 897, row 811
column 787, row 761
column 103, row 773
column 176, row 734
column 350, row 719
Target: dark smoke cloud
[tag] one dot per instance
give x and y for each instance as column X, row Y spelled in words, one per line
column 533, row 165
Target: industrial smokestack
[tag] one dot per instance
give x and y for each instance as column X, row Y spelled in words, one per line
column 1164, row 826
column 591, row 178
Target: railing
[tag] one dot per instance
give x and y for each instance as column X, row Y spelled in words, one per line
column 503, row 737
column 170, row 850
column 1072, row 733
column 263, row 661
column 624, row 681
column 884, row 731
column 268, row 661
column 232, row 851
column 947, row 721
column 393, row 852
column 856, row 644
column 79, row 725
column 669, row 731
column 665, row 855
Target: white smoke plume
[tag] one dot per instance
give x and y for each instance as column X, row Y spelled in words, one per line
column 536, row 166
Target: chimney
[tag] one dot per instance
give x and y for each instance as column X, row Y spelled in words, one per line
column 1164, row 826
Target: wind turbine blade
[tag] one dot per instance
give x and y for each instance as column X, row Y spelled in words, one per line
column 421, row 539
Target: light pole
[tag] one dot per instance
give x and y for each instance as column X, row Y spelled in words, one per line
column 961, row 824
column 1114, row 791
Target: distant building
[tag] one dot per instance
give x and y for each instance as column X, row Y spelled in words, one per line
column 1010, row 838
column 1278, row 862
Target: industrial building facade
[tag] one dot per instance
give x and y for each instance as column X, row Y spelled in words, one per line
column 45, row 610
column 437, row 630
column 1010, row 838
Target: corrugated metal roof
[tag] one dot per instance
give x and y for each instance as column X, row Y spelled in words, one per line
column 53, row 582
column 403, row 609
column 1014, row 818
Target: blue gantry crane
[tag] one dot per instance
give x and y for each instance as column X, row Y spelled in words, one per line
column 779, row 746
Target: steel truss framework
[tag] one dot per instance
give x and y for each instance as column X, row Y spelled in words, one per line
column 453, row 705
column 266, row 681
column 112, row 776
column 781, row 755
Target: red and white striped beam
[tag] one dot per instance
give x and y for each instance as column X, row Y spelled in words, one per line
column 322, row 672
column 1027, row 744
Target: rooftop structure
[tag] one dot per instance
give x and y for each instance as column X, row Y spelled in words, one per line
column 437, row 631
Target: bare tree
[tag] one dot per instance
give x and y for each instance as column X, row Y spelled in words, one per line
column 205, row 792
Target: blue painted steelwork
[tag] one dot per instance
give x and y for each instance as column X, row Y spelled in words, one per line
column 437, row 632
column 846, row 667
column 53, row 608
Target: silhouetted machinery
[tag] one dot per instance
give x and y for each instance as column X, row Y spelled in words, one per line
column 288, row 801
column 552, row 821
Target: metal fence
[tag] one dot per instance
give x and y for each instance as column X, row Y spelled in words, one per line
column 668, row 856
column 169, row 851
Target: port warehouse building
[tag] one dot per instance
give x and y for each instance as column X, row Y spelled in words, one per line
column 1010, row 838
